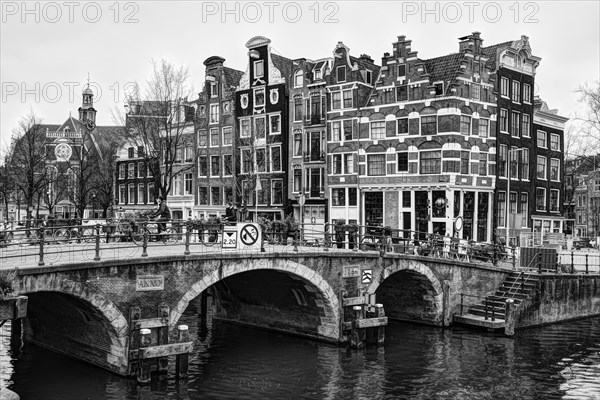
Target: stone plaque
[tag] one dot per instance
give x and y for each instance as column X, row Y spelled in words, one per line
column 351, row 272
column 146, row 283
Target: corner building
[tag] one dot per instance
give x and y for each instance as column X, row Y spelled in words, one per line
column 425, row 144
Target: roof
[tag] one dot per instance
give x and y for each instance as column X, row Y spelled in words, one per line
column 284, row 65
column 232, row 76
column 444, row 68
column 492, row 53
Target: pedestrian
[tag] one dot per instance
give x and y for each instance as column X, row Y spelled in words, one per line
column 163, row 213
column 230, row 213
column 416, row 244
column 447, row 241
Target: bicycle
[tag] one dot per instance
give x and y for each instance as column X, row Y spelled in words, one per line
column 150, row 229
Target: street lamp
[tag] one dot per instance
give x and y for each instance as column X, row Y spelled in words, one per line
column 508, row 175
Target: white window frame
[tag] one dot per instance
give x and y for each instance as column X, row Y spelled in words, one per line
column 212, row 131
column 214, row 114
column 299, row 78
column 545, row 135
column 552, row 136
column 557, row 170
column 379, row 136
column 230, row 136
column 261, row 64
column 271, row 130
column 131, row 189
column 255, row 92
column 210, row 167
column 273, row 189
column 188, row 177
column 526, row 93
column 271, row 148
column 337, row 73
column 249, row 132
column 536, row 202
column 504, row 87
column 545, row 164
column 224, row 166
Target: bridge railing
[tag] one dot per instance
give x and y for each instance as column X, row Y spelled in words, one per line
column 46, row 244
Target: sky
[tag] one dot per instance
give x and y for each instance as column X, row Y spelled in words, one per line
column 48, row 49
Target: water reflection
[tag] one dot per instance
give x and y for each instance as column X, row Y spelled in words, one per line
column 417, row 362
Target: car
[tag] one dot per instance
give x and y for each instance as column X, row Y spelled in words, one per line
column 582, row 244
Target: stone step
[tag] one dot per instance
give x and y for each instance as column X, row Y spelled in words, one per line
column 517, row 297
column 478, row 321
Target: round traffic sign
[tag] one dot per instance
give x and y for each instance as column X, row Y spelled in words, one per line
column 249, row 234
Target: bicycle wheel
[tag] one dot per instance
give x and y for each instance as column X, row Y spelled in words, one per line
column 170, row 236
column 62, row 236
column 137, row 236
column 88, row 235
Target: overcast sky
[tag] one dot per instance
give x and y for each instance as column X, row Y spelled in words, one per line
column 48, row 48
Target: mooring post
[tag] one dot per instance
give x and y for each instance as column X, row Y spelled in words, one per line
column 539, row 261
column 41, row 235
column 143, row 375
column 181, row 360
column 509, row 318
column 97, row 256
column 514, row 260
column 586, row 265
column 379, row 312
column 356, row 338
column 163, row 337
column 446, row 317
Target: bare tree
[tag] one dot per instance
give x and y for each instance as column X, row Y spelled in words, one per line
column 588, row 122
column 162, row 119
column 28, row 161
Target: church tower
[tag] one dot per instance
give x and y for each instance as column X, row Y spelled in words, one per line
column 87, row 112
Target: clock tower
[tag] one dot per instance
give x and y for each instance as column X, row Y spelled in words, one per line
column 87, row 112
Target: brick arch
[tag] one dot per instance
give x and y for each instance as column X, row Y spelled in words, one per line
column 329, row 326
column 410, row 266
column 118, row 356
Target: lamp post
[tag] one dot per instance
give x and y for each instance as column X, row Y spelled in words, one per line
column 508, row 175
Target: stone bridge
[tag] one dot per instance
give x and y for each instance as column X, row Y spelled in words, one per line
column 83, row 308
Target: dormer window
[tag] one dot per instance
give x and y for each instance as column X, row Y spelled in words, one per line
column 341, row 74
column 318, row 74
column 130, row 152
column 214, row 89
column 439, row 88
column 368, row 77
column 299, row 78
column 259, row 70
column 67, row 130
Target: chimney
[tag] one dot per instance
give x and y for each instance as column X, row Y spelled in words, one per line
column 470, row 43
column 366, row 57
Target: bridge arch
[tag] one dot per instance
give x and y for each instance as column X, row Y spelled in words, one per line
column 410, row 290
column 112, row 341
column 327, row 301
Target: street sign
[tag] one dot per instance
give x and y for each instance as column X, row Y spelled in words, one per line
column 229, row 240
column 249, row 236
column 367, row 275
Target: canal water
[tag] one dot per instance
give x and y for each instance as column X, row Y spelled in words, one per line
column 417, row 362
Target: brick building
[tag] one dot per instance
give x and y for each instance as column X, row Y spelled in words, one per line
column 216, row 132
column 308, row 128
column 261, row 110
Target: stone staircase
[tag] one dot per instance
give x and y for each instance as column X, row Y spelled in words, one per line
column 489, row 312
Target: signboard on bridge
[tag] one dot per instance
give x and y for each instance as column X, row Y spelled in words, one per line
column 145, row 283
column 230, row 238
column 367, row 275
column 249, row 236
column 351, row 272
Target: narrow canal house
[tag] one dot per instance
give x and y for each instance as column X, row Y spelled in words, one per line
column 548, row 217
column 261, row 110
column 425, row 141
column 307, row 145
column 350, row 85
column 216, row 131
column 530, row 145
